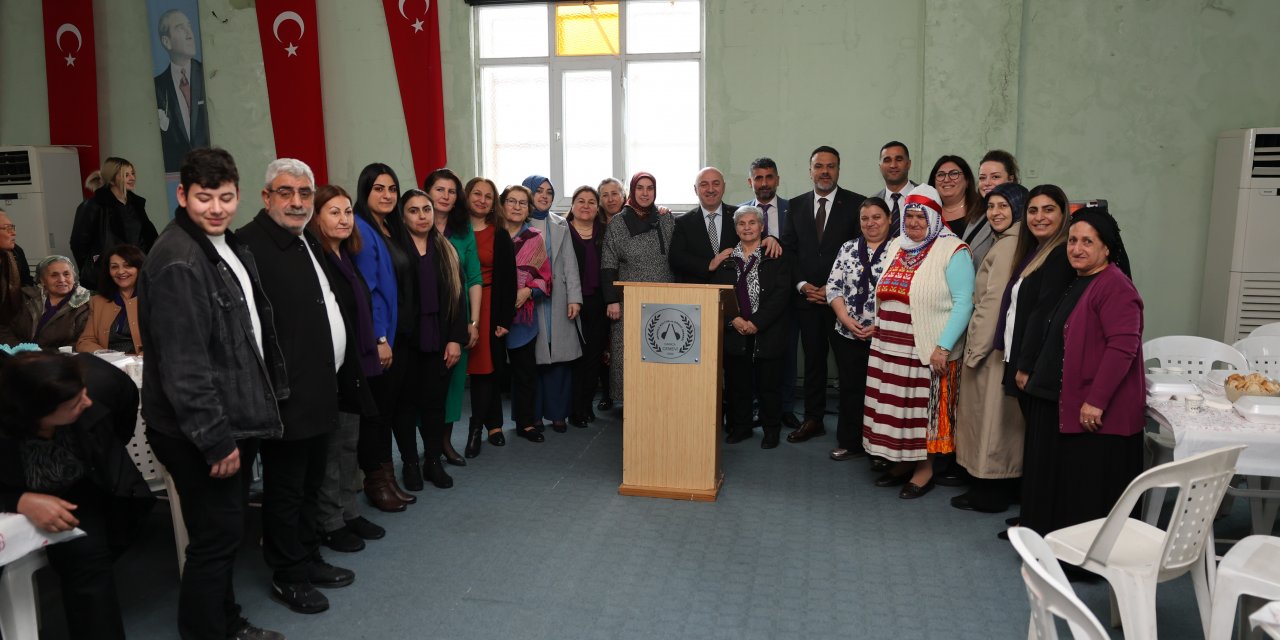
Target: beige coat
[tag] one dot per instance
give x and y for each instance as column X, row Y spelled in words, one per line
column 102, row 314
column 989, row 426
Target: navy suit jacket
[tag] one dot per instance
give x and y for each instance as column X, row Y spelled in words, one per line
column 782, row 207
column 691, row 251
column 812, row 259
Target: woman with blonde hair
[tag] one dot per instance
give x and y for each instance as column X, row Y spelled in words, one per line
column 114, row 215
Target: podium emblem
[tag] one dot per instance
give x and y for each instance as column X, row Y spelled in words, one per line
column 671, row 333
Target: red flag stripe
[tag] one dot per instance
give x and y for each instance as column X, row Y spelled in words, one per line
column 291, row 56
column 71, row 72
column 414, row 30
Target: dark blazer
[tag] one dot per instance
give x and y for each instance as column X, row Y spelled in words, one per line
column 502, row 296
column 783, row 209
column 99, row 226
column 895, row 225
column 813, row 259
column 775, row 295
column 302, row 324
column 354, row 395
column 174, row 140
column 1037, row 297
column 691, row 249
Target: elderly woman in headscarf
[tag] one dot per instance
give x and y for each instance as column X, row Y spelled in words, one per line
column 54, row 311
column 635, row 250
column 559, row 334
column 924, row 300
column 1087, row 390
column 754, row 339
column 989, row 425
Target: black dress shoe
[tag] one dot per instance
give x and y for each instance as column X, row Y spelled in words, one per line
column 473, row 442
column 840, row 455
column 559, row 427
column 300, row 597
column 365, row 529
column 913, row 490
column 1003, row 535
column 890, row 480
column 324, row 575
column 956, row 476
column 879, row 465
column 605, row 405
column 1014, row 521
column 455, row 460
column 541, row 427
column 578, row 421
column 411, row 476
column 497, row 439
column 434, row 471
column 739, row 435
column 772, row 436
column 531, row 434
column 342, row 539
column 966, row 502
column 246, row 631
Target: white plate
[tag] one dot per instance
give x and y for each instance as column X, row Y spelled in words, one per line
column 1170, row 384
column 1263, row 409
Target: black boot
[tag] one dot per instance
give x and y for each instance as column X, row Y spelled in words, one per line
column 411, row 473
column 450, row 454
column 474, row 438
column 434, row 471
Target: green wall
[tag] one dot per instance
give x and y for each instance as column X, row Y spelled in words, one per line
column 1121, row 100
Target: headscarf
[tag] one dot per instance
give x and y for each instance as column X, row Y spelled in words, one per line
column 1108, row 232
column 631, row 194
column 924, row 198
column 1016, row 195
column 532, row 183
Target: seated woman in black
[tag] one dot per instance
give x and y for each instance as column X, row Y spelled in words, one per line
column 63, row 464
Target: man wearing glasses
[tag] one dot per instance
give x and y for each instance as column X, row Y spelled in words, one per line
column 313, row 340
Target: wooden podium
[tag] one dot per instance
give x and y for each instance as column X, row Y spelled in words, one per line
column 672, row 390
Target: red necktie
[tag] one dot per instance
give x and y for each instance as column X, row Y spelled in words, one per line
column 185, row 87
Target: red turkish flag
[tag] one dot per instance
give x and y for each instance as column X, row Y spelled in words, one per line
column 414, row 29
column 71, row 71
column 291, row 56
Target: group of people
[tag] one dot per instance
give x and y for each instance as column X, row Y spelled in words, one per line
column 971, row 320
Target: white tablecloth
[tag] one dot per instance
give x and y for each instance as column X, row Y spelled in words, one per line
column 1205, row 429
column 18, row 537
column 1268, row 619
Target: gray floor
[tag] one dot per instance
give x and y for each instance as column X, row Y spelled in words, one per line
column 535, row 542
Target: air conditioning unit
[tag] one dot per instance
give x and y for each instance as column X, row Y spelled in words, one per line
column 40, row 190
column 1242, row 258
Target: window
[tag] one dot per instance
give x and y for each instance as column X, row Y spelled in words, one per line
column 583, row 91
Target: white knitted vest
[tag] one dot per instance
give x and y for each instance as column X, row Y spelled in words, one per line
column 931, row 298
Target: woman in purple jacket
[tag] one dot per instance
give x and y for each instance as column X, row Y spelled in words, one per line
column 1088, row 385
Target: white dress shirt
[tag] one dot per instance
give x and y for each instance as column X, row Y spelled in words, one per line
column 176, row 71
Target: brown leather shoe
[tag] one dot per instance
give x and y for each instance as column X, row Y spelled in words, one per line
column 405, row 496
column 377, row 488
column 808, row 429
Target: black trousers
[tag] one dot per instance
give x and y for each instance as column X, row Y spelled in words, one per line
column 738, row 374
column 420, row 406
column 292, row 472
column 586, row 370
column 816, row 322
column 486, row 400
column 213, row 509
column 524, row 383
column 84, row 567
column 374, row 446
column 851, row 361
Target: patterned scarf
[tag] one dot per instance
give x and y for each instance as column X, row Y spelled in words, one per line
column 532, row 269
column 748, row 285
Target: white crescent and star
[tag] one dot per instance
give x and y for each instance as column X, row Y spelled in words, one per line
column 289, row 16
column 67, row 27
column 417, row 24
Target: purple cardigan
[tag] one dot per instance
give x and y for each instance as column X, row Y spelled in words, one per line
column 1104, row 364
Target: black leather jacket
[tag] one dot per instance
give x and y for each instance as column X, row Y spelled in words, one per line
column 204, row 379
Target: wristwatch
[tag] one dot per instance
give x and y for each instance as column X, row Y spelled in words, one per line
column 382, row 340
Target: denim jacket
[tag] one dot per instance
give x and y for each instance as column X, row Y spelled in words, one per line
column 203, row 378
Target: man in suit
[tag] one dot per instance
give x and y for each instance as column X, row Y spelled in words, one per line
column 819, row 222
column 313, row 340
column 763, row 180
column 895, row 164
column 694, row 256
column 184, row 119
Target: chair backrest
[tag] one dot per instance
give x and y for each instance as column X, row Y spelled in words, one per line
column 1195, row 354
column 1201, row 480
column 1262, row 352
column 1272, row 329
column 1049, row 592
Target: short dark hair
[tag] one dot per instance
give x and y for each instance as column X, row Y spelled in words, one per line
column 324, row 194
column 209, row 167
column 133, row 257
column 895, row 143
column 876, row 201
column 32, row 385
column 763, row 162
column 1005, row 158
column 825, row 149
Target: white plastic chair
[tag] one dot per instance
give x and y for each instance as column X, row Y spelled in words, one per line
column 157, row 479
column 1272, row 329
column 1197, row 356
column 19, row 609
column 1049, row 592
column 1134, row 556
column 1251, row 567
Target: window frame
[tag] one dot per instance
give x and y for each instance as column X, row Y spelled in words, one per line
column 557, row 65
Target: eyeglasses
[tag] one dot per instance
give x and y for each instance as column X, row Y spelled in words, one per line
column 947, row 176
column 516, row 203
column 10, row 228
column 287, row 193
